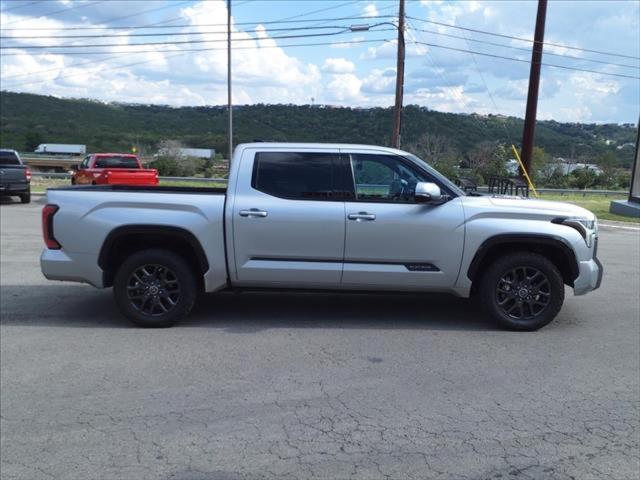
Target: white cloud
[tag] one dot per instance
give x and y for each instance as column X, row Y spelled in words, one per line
column 370, row 10
column 352, row 43
column 263, row 71
column 380, row 81
column 389, row 50
column 344, row 87
column 338, row 65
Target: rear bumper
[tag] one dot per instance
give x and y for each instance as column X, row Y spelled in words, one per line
column 14, row 188
column 59, row 265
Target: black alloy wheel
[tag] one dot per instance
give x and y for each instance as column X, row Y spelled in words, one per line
column 523, row 292
column 153, row 289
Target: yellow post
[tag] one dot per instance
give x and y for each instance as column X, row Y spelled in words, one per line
column 526, row 175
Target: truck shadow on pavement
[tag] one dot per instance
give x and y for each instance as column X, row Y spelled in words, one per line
column 81, row 306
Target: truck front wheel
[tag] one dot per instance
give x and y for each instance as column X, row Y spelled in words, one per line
column 522, row 291
column 155, row 288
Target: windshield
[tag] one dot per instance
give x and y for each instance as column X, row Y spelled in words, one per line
column 116, row 162
column 452, row 186
column 9, row 158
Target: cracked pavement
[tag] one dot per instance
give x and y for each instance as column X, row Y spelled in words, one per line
column 284, row 386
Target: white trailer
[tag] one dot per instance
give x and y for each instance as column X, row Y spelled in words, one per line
column 61, row 149
column 205, row 153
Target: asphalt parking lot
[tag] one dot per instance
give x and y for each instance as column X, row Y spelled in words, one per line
column 314, row 386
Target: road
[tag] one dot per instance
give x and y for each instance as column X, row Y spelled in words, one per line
column 282, row 386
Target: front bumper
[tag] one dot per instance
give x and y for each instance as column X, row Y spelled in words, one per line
column 590, row 274
column 79, row 267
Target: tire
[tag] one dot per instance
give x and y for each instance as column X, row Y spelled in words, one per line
column 522, row 291
column 25, row 198
column 161, row 297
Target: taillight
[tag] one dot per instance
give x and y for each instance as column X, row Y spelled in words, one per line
column 27, row 174
column 47, row 227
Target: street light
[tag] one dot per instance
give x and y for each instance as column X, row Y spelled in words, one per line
column 397, row 112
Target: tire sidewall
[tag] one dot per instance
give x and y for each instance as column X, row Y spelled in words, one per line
column 175, row 263
column 499, row 268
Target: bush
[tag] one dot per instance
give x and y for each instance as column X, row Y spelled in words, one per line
column 583, row 178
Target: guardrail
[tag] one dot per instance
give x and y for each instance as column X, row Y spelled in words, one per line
column 171, row 179
column 571, row 191
column 483, row 189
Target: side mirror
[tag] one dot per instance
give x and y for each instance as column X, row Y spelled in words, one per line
column 427, row 192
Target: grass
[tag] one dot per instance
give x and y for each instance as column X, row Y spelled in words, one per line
column 598, row 204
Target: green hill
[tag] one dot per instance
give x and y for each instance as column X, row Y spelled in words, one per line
column 27, row 120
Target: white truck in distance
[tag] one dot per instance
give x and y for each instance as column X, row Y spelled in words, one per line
column 61, row 149
column 320, row 216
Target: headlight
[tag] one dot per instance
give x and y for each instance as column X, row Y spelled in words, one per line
column 586, row 227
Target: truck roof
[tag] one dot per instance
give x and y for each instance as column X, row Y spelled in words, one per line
column 114, row 154
column 270, row 145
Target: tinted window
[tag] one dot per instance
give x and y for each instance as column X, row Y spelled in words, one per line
column 9, row 158
column 299, row 176
column 116, row 162
column 384, row 178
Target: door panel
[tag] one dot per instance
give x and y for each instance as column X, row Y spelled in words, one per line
column 392, row 242
column 407, row 246
column 286, row 241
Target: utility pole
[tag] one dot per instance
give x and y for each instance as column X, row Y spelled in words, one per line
column 229, row 104
column 534, row 84
column 397, row 112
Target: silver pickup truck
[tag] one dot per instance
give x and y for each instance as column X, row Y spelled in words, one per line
column 320, row 216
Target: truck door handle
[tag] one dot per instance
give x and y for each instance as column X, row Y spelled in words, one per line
column 362, row 216
column 253, row 212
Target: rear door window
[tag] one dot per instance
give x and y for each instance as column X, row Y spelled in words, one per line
column 9, row 158
column 301, row 176
column 116, row 162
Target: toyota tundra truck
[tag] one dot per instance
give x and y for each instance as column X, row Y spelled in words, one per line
column 321, row 217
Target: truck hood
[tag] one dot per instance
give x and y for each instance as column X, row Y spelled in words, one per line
column 525, row 207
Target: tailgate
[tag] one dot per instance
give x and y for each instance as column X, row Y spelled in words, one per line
column 125, row 176
column 12, row 175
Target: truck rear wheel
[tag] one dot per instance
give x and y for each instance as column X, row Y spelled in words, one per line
column 155, row 288
column 25, row 197
column 522, row 291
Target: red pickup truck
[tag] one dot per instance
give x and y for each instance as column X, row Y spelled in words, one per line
column 113, row 169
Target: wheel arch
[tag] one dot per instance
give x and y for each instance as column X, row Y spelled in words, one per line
column 555, row 248
column 123, row 241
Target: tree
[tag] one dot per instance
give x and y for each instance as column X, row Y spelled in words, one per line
column 609, row 166
column 543, row 167
column 31, row 140
column 488, row 159
column 438, row 151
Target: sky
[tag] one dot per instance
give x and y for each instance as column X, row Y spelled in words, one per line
column 345, row 67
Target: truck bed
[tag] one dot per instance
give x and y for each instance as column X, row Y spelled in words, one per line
column 89, row 213
column 143, row 189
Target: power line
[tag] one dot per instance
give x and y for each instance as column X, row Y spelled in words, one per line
column 442, row 72
column 19, row 6
column 177, row 53
column 51, row 14
column 335, row 7
column 32, row 47
column 190, row 25
column 525, row 49
column 527, row 61
column 166, row 34
column 614, row 54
